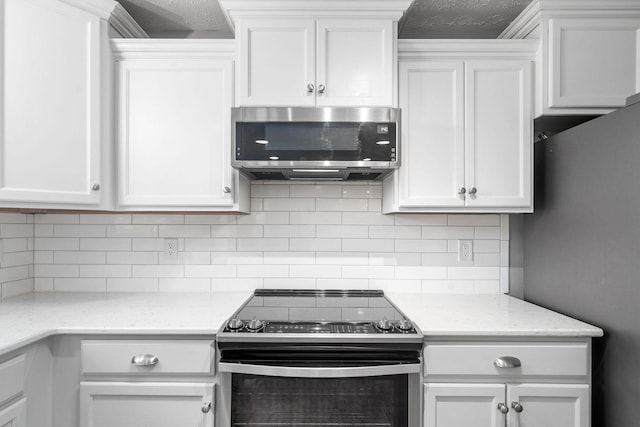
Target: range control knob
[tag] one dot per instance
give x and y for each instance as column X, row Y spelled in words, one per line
column 404, row 325
column 384, row 324
column 255, row 325
column 235, row 324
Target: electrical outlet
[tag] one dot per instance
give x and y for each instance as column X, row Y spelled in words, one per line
column 465, row 250
column 171, row 248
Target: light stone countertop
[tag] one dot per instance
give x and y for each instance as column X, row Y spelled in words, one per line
column 487, row 316
column 28, row 318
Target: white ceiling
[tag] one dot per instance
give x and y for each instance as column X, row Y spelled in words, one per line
column 427, row 19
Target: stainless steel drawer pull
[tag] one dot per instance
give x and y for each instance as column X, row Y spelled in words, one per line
column 144, row 359
column 206, row 407
column 517, row 407
column 507, row 362
column 503, row 408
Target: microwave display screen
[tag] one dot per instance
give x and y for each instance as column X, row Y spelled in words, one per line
column 312, row 141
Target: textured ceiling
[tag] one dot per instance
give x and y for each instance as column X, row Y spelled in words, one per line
column 431, row 19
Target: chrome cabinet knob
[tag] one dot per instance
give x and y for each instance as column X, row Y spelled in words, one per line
column 95, row 187
column 503, row 408
column 321, row 88
column 516, row 407
column 507, row 362
column 206, row 407
column 462, row 190
column 473, row 191
column 310, row 88
column 144, row 359
column 226, row 190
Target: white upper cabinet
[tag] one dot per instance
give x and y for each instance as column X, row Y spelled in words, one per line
column 315, row 53
column 55, row 111
column 588, row 56
column 466, row 129
column 173, row 140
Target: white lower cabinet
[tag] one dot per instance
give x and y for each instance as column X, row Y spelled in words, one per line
column 507, row 384
column 122, row 404
column 142, row 382
column 14, row 415
column 510, row 405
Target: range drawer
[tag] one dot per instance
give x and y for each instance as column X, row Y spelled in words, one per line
column 535, row 359
column 11, row 378
column 188, row 357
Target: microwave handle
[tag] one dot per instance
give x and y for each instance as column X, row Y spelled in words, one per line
column 324, row 372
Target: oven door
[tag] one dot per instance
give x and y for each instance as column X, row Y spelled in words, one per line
column 336, row 389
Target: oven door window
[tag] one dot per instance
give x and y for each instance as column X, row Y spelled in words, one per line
column 284, row 401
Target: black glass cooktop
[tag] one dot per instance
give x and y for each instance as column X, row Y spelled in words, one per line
column 281, row 311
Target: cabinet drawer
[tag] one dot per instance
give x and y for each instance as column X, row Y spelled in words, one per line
column 569, row 359
column 11, row 378
column 171, row 357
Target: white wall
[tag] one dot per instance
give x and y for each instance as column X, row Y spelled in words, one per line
column 16, row 254
column 299, row 235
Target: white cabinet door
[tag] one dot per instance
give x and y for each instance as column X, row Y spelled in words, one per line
column 173, row 136
column 432, row 152
column 50, row 120
column 355, row 62
column 499, row 140
column 277, row 62
column 463, row 405
column 14, row 415
column 593, row 63
column 549, row 405
column 108, row 404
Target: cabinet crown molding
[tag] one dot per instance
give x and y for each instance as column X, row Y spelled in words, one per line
column 540, row 10
column 383, row 9
column 415, row 49
column 172, row 48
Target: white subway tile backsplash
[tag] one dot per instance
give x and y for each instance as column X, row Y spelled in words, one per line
column 266, row 218
column 320, row 218
column 78, row 257
column 394, row 232
column 180, row 285
column 79, row 285
column 343, row 231
column 289, row 205
column 130, row 257
column 299, row 235
column 421, row 219
column 132, row 285
column 173, row 231
column 439, row 232
column 266, row 245
column 105, row 271
column 342, row 205
column 362, row 191
column 315, row 271
column 487, row 233
column 367, row 245
column 263, row 271
column 138, row 230
column 474, row 220
column 316, row 245
column 289, row 231
column 322, row 191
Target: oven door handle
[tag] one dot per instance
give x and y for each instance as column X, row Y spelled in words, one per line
column 324, row 372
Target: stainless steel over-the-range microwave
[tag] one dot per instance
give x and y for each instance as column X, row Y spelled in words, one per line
column 307, row 143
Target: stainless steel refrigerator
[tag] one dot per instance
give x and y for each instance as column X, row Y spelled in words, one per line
column 581, row 249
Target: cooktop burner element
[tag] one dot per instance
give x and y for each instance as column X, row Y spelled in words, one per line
column 281, row 313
